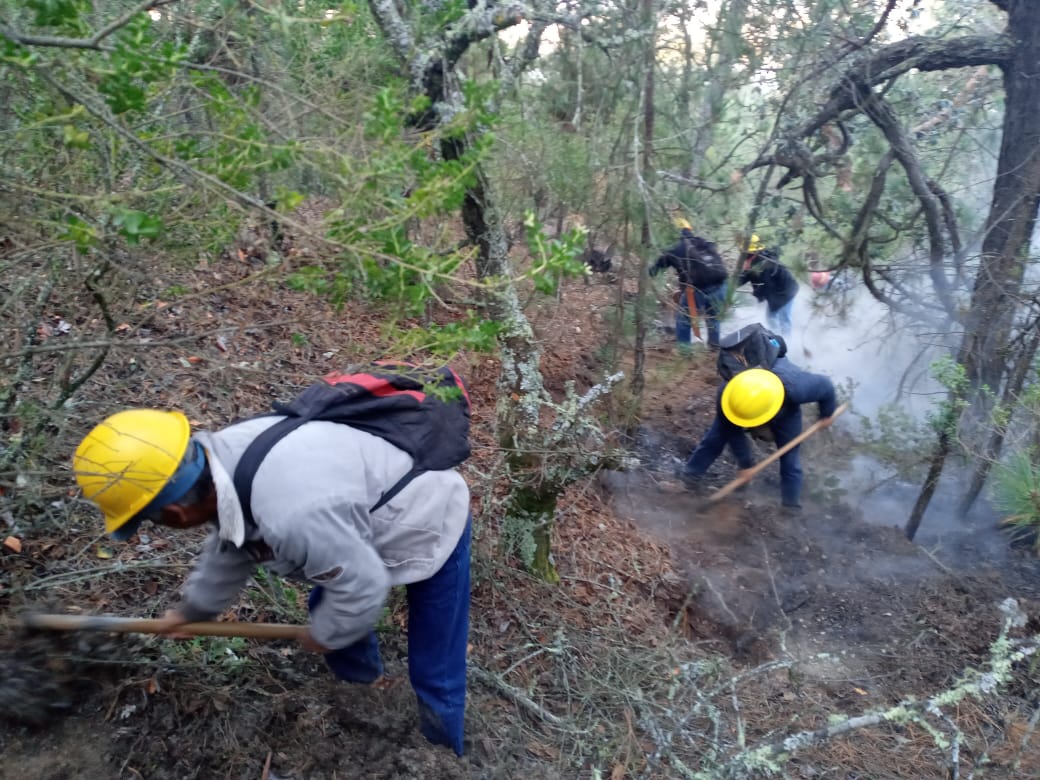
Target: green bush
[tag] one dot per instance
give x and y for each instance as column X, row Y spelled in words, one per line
column 1016, row 490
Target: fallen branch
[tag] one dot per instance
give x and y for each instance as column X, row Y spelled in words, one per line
column 492, row 680
column 1004, row 654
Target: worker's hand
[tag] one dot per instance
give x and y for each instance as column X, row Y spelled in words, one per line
column 825, row 422
column 745, row 474
column 170, row 622
column 307, row 641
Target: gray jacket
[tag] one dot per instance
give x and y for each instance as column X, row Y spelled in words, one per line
column 311, row 500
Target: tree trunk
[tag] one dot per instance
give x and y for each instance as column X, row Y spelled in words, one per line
column 995, row 444
column 990, row 320
column 534, row 508
column 931, row 482
column 1012, row 214
column 648, row 105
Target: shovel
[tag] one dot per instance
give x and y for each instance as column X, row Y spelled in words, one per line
column 32, row 692
column 343, row 663
column 119, row 625
column 691, row 305
column 748, row 475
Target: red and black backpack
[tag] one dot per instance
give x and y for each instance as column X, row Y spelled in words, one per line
column 424, row 412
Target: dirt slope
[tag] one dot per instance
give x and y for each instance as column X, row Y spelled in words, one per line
column 660, row 607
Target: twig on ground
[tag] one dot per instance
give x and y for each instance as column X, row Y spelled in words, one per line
column 936, row 561
column 722, row 601
column 782, row 635
column 494, row 681
column 1026, row 736
column 681, row 612
column 98, row 572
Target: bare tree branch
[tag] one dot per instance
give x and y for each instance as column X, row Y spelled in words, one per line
column 93, row 42
column 884, row 117
column 878, row 26
column 920, row 52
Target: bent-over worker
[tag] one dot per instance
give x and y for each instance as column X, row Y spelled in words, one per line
column 312, row 522
column 769, row 397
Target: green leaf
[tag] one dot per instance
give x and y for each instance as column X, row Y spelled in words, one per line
column 135, row 225
column 15, row 54
column 122, row 93
column 79, row 139
column 64, row 14
column 287, row 200
column 79, row 232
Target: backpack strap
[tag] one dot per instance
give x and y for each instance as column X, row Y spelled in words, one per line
column 254, row 455
column 257, row 450
column 396, row 488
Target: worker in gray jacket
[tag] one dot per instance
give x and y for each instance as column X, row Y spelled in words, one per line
column 313, row 521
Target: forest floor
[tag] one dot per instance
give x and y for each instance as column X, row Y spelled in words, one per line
column 677, row 636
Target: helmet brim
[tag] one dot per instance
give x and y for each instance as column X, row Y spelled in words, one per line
column 127, row 529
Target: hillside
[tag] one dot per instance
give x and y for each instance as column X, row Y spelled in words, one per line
column 676, row 635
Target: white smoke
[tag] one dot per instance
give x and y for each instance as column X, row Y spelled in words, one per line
column 853, row 339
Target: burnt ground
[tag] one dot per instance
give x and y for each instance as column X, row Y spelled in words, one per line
column 676, row 636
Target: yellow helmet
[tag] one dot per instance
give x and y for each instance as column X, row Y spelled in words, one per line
column 681, row 223
column 127, row 460
column 755, row 244
column 752, row 397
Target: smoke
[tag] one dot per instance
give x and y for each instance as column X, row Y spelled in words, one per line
column 850, row 337
column 878, row 363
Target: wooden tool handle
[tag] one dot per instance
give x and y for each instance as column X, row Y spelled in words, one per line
column 691, row 304
column 748, row 475
column 121, row 625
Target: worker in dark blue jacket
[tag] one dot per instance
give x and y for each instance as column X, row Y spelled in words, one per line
column 701, row 272
column 771, row 282
column 764, row 397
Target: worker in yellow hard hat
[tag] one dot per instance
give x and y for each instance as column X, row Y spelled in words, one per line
column 771, row 282
column 758, row 396
column 329, row 507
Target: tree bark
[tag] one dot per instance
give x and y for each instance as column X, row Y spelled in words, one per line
column 995, row 445
column 990, row 320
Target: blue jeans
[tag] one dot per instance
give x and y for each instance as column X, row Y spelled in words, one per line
column 779, row 320
column 785, row 426
column 710, row 302
column 438, row 630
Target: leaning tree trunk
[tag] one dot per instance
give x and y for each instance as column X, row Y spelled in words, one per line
column 994, row 446
column 531, row 502
column 1009, row 227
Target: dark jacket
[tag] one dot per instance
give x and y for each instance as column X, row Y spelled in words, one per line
column 800, row 387
column 770, row 280
column 696, row 260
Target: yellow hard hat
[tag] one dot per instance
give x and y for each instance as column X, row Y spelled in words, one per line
column 682, row 223
column 755, row 244
column 127, row 460
column 752, row 397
